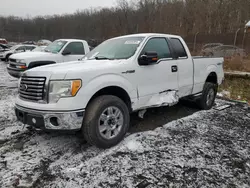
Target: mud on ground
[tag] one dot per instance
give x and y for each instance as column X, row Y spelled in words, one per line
column 170, row 147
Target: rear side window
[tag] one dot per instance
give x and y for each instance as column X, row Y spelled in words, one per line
column 29, row 47
column 178, row 47
column 158, row 45
column 20, row 48
column 75, row 48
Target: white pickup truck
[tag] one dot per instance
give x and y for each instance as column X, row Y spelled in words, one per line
column 62, row 50
column 122, row 75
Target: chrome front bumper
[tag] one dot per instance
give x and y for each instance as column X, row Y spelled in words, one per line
column 17, row 73
column 68, row 120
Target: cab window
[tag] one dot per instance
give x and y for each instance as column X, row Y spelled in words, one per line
column 75, row 48
column 158, row 45
column 178, row 48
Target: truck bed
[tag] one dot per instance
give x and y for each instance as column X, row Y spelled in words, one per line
column 208, row 64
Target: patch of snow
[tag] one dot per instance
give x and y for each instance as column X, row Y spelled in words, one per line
column 219, row 94
column 206, row 149
column 134, row 145
column 7, row 108
column 224, row 94
column 238, row 73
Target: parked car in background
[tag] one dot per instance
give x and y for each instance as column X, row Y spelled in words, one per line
column 207, row 48
column 39, row 49
column 43, row 42
column 10, row 44
column 3, row 47
column 15, row 49
column 62, row 50
column 3, row 41
column 211, row 45
column 226, row 51
column 29, row 42
column 122, row 75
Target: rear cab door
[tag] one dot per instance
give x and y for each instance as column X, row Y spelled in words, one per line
column 73, row 51
column 185, row 66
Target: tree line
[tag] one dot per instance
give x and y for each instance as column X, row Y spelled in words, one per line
column 182, row 17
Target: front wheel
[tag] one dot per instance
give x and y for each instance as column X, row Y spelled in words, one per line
column 106, row 121
column 208, row 96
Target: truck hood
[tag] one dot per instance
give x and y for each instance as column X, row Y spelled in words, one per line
column 31, row 55
column 69, row 69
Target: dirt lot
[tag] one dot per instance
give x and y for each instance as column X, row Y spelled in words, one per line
column 237, row 64
column 236, row 88
column 170, row 147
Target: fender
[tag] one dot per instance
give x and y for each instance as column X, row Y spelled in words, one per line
column 39, row 63
column 8, row 55
column 106, row 80
column 210, row 69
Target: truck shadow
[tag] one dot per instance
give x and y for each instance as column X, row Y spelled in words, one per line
column 157, row 117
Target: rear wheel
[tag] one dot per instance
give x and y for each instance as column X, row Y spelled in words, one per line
column 106, row 121
column 208, row 96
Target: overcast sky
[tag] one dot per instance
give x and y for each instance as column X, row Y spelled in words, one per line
column 48, row 7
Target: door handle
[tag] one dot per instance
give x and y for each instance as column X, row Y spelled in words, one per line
column 174, row 68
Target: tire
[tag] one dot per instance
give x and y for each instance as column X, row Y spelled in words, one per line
column 96, row 130
column 208, row 96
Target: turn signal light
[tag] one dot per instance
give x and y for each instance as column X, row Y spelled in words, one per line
column 76, row 85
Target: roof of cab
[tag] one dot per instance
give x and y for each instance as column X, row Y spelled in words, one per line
column 149, row 35
column 71, row 40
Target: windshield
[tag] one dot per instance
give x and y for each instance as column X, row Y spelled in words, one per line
column 38, row 49
column 119, row 48
column 55, row 47
column 14, row 47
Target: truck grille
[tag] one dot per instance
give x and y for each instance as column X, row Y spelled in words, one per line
column 32, row 88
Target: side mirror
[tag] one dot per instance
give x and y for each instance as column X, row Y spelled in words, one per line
column 66, row 52
column 148, row 58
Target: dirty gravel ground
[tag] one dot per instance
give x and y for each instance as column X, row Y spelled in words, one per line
column 170, row 147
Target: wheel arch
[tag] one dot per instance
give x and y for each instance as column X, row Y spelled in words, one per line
column 212, row 78
column 115, row 91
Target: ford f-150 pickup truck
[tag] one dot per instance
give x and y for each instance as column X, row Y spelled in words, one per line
column 62, row 50
column 122, row 75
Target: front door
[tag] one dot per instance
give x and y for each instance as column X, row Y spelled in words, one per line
column 160, row 77
column 75, row 51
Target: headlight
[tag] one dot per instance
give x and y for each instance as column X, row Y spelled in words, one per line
column 22, row 64
column 20, row 61
column 64, row 88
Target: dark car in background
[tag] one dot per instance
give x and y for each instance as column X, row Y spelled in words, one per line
column 207, row 49
column 225, row 51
